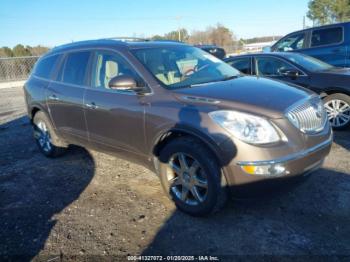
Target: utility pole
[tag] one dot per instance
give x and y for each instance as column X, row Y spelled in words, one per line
column 304, row 25
column 178, row 18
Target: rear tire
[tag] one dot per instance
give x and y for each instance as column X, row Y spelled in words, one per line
column 45, row 136
column 191, row 177
column 338, row 110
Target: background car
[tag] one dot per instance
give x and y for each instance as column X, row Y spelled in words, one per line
column 330, row 82
column 214, row 50
column 328, row 43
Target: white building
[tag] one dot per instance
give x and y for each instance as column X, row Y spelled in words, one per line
column 256, row 47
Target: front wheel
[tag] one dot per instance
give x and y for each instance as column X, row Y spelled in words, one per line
column 191, row 177
column 338, row 110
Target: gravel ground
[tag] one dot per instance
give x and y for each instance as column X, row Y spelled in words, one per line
column 91, row 205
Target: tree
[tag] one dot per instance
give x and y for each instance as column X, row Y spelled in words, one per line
column 6, row 52
column 221, row 36
column 20, row 50
column 157, row 37
column 37, row 50
column 177, row 35
column 329, row 11
column 217, row 35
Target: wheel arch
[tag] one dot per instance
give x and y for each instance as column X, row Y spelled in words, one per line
column 334, row 90
column 176, row 132
column 35, row 108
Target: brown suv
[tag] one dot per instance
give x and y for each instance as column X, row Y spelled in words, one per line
column 193, row 119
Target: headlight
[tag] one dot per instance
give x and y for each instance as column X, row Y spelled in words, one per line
column 248, row 128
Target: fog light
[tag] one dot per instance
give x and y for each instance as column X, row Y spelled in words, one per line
column 265, row 170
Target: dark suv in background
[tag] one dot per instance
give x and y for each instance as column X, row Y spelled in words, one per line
column 214, row 50
column 183, row 113
column 330, row 43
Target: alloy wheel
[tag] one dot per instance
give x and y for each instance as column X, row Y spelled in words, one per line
column 44, row 137
column 338, row 112
column 187, row 179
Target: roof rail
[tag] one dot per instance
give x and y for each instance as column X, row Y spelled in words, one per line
column 127, row 38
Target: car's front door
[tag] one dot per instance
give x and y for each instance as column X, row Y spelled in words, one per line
column 65, row 97
column 115, row 118
column 292, row 42
column 276, row 68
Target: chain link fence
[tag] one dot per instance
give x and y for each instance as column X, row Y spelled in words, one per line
column 16, row 68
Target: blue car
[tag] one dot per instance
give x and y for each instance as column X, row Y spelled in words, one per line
column 330, row 43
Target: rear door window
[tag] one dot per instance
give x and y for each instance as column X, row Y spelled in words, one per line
column 327, row 36
column 242, row 64
column 74, row 68
column 45, row 66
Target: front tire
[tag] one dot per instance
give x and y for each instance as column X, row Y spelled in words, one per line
column 45, row 136
column 338, row 110
column 191, row 177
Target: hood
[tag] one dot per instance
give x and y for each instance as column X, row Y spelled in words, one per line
column 250, row 94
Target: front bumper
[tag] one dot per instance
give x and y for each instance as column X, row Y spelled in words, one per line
column 292, row 165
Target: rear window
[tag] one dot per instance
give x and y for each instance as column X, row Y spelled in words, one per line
column 327, row 36
column 45, row 66
column 74, row 69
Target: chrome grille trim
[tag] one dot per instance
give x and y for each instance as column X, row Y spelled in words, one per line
column 309, row 116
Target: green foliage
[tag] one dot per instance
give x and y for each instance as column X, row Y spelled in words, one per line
column 37, row 50
column 329, row 11
column 157, row 37
column 6, row 52
column 20, row 50
column 178, row 35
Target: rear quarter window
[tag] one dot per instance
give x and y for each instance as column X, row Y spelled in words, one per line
column 45, row 66
column 327, row 36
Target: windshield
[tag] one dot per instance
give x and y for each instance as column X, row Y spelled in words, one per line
column 184, row 66
column 308, row 62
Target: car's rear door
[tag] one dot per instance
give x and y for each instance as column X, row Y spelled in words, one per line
column 327, row 44
column 115, row 119
column 65, row 97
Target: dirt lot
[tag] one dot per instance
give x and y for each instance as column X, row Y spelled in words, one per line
column 91, row 205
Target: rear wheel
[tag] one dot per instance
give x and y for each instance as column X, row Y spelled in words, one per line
column 191, row 177
column 45, row 136
column 338, row 110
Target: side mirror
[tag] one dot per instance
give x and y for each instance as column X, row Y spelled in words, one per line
column 293, row 74
column 124, row 82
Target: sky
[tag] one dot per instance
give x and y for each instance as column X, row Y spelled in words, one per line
column 55, row 22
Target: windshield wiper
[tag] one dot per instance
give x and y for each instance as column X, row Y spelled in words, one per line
column 230, row 77
column 214, row 81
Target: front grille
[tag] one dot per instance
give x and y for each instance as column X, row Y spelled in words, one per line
column 309, row 117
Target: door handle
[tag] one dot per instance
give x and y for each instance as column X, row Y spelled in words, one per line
column 54, row 97
column 91, row 106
